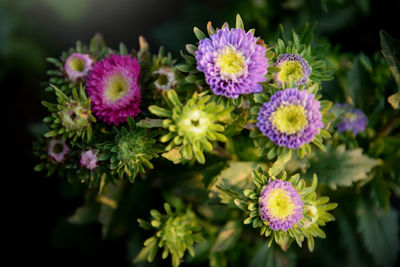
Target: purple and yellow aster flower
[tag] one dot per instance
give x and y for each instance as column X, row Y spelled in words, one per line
column 58, row 150
column 232, row 62
column 353, row 120
column 291, row 118
column 113, row 87
column 280, row 205
column 293, row 67
column 77, row 66
column 89, row 159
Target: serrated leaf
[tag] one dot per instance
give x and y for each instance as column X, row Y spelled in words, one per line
column 228, row 236
column 340, row 167
column 380, row 233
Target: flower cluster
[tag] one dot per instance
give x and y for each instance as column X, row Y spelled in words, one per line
column 120, row 114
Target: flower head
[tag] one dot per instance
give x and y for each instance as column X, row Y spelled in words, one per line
column 280, row 205
column 131, row 151
column 232, row 62
column 176, row 231
column 58, row 150
column 166, row 79
column 75, row 115
column 89, row 159
column 77, row 66
column 193, row 124
column 353, row 120
column 112, row 85
column 291, row 118
column 293, row 67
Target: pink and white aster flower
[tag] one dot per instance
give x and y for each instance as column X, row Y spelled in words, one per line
column 113, row 87
column 58, row 150
column 89, row 159
column 77, row 66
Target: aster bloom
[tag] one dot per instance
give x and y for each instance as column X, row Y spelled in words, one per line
column 280, row 205
column 194, row 124
column 70, row 117
column 58, row 150
column 77, row 66
column 131, row 151
column 353, row 120
column 113, row 87
column 293, row 67
column 291, row 118
column 232, row 62
column 89, row 159
column 166, row 79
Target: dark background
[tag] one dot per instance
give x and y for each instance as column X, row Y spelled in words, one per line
column 36, row 207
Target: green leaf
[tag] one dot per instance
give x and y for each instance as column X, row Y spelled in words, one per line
column 123, row 50
column 210, row 174
column 381, row 192
column 86, row 214
column 239, row 22
column 184, row 67
column 228, row 236
column 237, row 125
column 233, row 180
column 358, row 89
column 391, row 52
column 173, row 155
column 199, row 34
column 161, row 112
column 380, row 233
column 340, row 167
column 145, row 252
column 109, row 203
column 150, row 123
column 394, row 100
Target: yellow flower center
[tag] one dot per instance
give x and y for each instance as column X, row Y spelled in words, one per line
column 351, row 116
column 77, row 64
column 290, row 71
column 195, row 123
column 117, row 87
column 280, row 204
column 231, row 63
column 289, row 119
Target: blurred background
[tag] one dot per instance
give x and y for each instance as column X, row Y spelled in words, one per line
column 31, row 30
